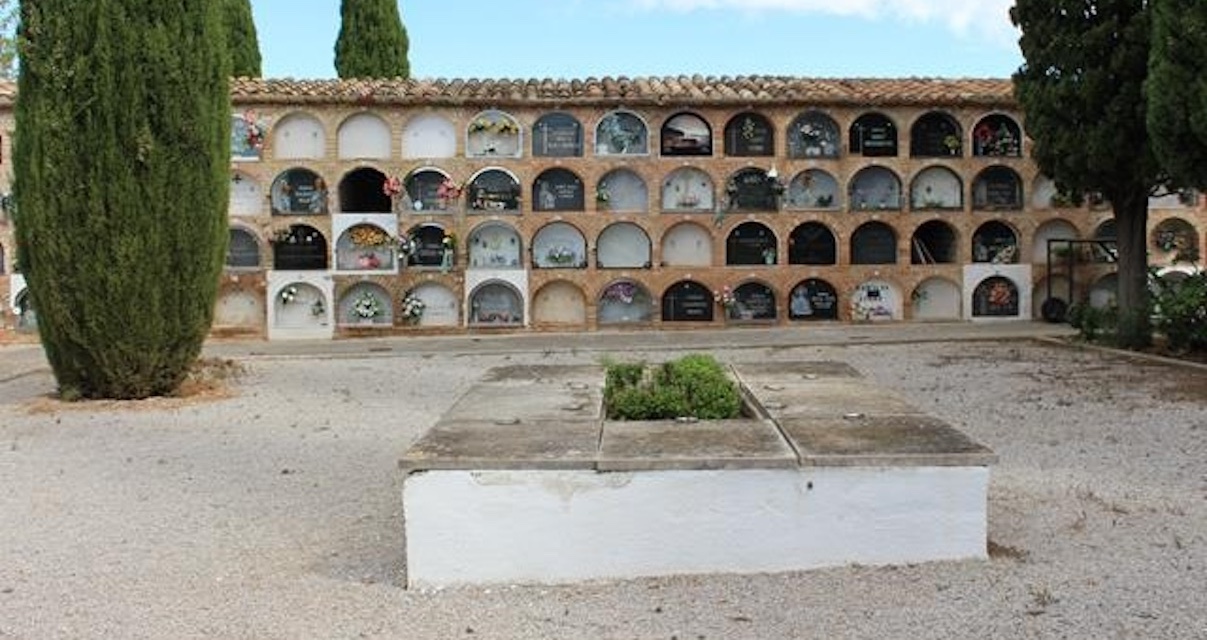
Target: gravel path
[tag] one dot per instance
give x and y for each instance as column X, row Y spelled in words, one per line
column 276, row 513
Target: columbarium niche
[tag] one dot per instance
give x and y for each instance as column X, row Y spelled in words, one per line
column 753, row 189
column 560, row 303
column 997, row 135
column 558, row 190
column 813, row 299
column 687, row 245
column 934, row 242
column 750, row 243
column 27, row 316
column 299, row 136
column 935, row 299
column 623, row 246
column 936, row 135
column 814, row 135
column 624, row 302
column 247, row 136
column 299, row 192
column 812, row 243
column 1052, row 230
column 246, row 195
column 873, row 135
column 496, row 303
column 937, row 188
column 559, row 245
column 299, row 248
column 557, row 135
column 875, row 300
column 995, row 242
column 242, row 251
column 365, row 304
column 1175, row 237
column 429, row 136
column 429, row 190
column 687, row 301
column 875, row 188
column 813, row 189
column 366, row 246
column 364, row 135
column 874, row 243
column 440, row 306
column 362, row 191
column 621, row 133
column 997, row 297
column 429, row 248
column 688, row 189
column 686, row 134
column 622, row 190
column 299, row 305
column 495, row 245
column 749, row 134
column 494, row 191
column 493, row 134
column 753, row 301
column 997, row 188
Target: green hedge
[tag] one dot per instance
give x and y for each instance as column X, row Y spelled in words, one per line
column 695, row 386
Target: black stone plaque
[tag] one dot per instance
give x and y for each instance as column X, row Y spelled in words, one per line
column 752, row 190
column 813, row 299
column 755, row 301
column 874, row 243
column 302, row 248
column 686, row 135
column 874, row 135
column 1001, row 191
column 558, row 190
column 557, row 135
column 687, row 302
column 995, row 297
column 429, row 247
column 494, row 191
column 749, row 135
column 749, row 244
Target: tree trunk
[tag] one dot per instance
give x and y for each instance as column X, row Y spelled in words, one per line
column 1131, row 226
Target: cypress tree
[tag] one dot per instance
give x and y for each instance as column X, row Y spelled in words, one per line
column 1177, row 89
column 121, row 159
column 241, row 38
column 372, row 41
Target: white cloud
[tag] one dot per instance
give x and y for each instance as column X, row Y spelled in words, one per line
column 967, row 18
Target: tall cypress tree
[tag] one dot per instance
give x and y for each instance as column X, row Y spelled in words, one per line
column 1177, row 89
column 372, row 42
column 241, row 38
column 1082, row 90
column 121, row 160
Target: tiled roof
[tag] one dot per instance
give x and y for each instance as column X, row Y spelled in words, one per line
column 696, row 90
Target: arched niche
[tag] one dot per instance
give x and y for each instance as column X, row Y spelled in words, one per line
column 557, row 135
column 428, row 244
column 812, row 243
column 496, row 303
column 622, row 246
column 935, row 299
column 239, row 309
column 1174, row 237
column 621, row 133
column 299, row 248
column 687, row 245
column 750, row 243
column 559, row 245
column 1052, row 230
column 299, row 136
column 1106, row 230
column 299, row 192
column 749, row 134
column 753, row 189
column 687, row 301
column 873, row 135
column 364, row 135
column 995, row 242
column 813, row 189
column 299, row 305
column 560, row 303
column 997, row 135
column 365, row 303
column 362, row 191
column 242, row 250
column 1046, row 195
column 558, row 189
column 937, row 188
column 493, row 134
column 429, row 136
column 246, row 195
column 27, row 315
column 936, row 135
column 495, row 245
column 1104, row 293
column 876, row 300
column 431, row 190
column 813, row 299
column 624, row 302
column 997, row 188
column 686, row 134
column 753, row 301
column 995, row 297
column 440, row 305
column 622, row 190
column 875, row 188
column 874, row 243
column 1180, row 199
column 688, row 189
column 366, row 246
column 814, row 134
column 248, row 131
column 494, row 191
column 934, row 242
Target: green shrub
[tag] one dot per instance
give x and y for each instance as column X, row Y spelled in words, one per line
column 1093, row 324
column 692, row 386
column 1180, row 311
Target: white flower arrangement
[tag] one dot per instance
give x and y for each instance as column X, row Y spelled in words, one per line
column 366, row 306
column 560, row 254
column 289, row 294
column 412, row 307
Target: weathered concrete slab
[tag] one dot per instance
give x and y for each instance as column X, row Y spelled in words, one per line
column 832, row 398
column 785, row 372
column 505, row 444
column 533, row 393
column 705, row 444
column 883, row 440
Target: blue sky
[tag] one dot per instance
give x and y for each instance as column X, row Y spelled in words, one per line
column 584, row 38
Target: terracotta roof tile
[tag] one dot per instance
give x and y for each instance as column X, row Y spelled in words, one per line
column 614, row 91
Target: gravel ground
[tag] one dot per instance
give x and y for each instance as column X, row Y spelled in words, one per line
column 275, row 513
